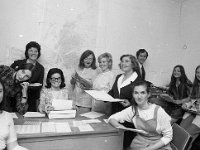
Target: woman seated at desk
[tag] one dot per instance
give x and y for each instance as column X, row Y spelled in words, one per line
column 191, row 122
column 147, row 117
column 8, row 137
column 54, row 89
column 179, row 89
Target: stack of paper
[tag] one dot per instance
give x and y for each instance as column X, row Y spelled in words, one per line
column 103, row 96
column 62, row 114
column 33, row 114
column 62, row 104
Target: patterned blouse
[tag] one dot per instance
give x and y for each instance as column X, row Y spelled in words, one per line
column 13, row 91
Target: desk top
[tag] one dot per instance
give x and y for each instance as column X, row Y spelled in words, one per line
column 34, row 127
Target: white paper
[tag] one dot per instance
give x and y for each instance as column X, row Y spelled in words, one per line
column 134, row 130
column 92, row 121
column 48, row 127
column 61, row 104
column 14, row 115
column 62, row 127
column 62, row 114
column 85, row 127
column 77, row 123
column 27, row 129
column 33, row 114
column 92, row 114
column 102, row 95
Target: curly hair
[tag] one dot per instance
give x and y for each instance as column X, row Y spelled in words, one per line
column 30, row 45
column 2, row 103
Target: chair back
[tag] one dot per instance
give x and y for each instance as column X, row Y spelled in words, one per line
column 181, row 138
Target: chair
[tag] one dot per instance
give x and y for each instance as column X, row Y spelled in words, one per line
column 181, row 138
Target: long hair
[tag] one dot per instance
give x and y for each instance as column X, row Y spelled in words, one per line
column 195, row 86
column 84, row 55
column 183, row 77
column 50, row 73
column 3, row 98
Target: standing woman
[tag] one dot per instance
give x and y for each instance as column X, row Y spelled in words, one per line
column 16, row 86
column 122, row 89
column 103, row 82
column 8, row 137
column 32, row 53
column 82, row 79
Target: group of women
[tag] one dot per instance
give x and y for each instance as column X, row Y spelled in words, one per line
column 134, row 111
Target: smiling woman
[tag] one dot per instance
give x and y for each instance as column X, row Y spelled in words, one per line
column 16, row 85
column 32, row 54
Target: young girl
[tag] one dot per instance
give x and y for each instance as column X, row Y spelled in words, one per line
column 191, row 122
column 84, row 75
column 8, row 137
column 179, row 89
column 54, row 89
column 103, row 82
column 148, row 117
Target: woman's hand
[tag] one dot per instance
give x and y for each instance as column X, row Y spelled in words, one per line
column 125, row 103
column 48, row 108
column 24, row 85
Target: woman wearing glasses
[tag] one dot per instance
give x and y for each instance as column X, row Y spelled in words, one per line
column 54, row 89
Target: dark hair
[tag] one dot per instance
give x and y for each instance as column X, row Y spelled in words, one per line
column 85, row 55
column 183, row 77
column 108, row 56
column 195, row 86
column 133, row 61
column 139, row 83
column 50, row 73
column 141, row 51
column 32, row 44
column 3, row 99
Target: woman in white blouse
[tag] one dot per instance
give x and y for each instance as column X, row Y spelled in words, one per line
column 148, row 117
column 8, row 137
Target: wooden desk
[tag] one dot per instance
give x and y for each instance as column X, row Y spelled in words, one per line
column 104, row 137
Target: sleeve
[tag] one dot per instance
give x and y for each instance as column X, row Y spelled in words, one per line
column 164, row 120
column 124, row 115
column 21, row 107
column 12, row 134
column 43, row 97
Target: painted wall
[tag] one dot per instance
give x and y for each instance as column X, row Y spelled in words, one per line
column 167, row 29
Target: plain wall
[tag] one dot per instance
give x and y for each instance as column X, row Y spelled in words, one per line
column 167, row 29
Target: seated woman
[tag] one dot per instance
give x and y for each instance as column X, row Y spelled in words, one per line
column 147, row 117
column 103, row 82
column 191, row 122
column 16, row 86
column 54, row 89
column 179, row 89
column 32, row 54
column 8, row 137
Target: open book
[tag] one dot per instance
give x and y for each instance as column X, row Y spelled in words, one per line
column 84, row 83
column 102, row 96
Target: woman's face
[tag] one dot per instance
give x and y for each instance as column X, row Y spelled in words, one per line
column 88, row 61
column 1, row 93
column 177, row 72
column 23, row 75
column 33, row 53
column 126, row 64
column 104, row 64
column 140, row 95
column 198, row 73
column 55, row 80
